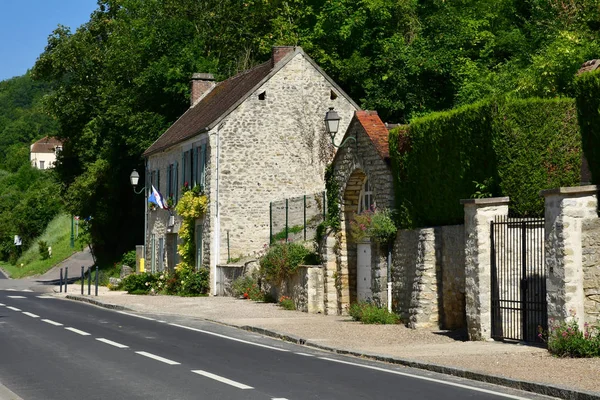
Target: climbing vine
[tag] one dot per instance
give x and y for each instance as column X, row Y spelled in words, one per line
column 191, row 206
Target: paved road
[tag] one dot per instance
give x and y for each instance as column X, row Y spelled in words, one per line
column 2, row 276
column 56, row 349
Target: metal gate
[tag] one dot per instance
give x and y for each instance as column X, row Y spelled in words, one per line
column 518, row 289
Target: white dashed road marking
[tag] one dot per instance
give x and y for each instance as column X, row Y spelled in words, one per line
column 16, row 297
column 30, row 314
column 26, row 290
column 44, row 297
column 2, row 305
column 82, row 333
column 304, row 354
column 13, row 308
column 48, row 321
column 425, row 378
column 119, row 345
column 157, row 358
column 228, row 337
column 221, row 379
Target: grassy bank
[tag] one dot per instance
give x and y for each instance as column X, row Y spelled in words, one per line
column 57, row 235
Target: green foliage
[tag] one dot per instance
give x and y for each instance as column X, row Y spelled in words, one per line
column 43, row 249
column 567, row 340
column 190, row 207
column 182, row 282
column 332, row 219
column 291, row 230
column 248, row 288
column 369, row 313
column 287, row 303
column 282, row 261
column 515, row 147
column 129, row 259
column 587, row 87
column 377, row 224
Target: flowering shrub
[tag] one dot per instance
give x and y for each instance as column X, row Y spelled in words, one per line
column 287, row 303
column 182, row 282
column 377, row 224
column 191, row 206
column 248, row 288
column 567, row 340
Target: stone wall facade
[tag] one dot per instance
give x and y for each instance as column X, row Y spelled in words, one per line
column 428, row 277
column 591, row 270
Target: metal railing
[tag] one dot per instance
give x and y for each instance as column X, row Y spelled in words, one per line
column 296, row 218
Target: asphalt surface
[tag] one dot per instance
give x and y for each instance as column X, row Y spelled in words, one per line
column 2, row 276
column 56, row 349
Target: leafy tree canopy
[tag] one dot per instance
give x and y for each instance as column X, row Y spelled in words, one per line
column 122, row 78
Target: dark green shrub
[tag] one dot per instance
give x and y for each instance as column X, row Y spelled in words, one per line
column 129, row 259
column 496, row 147
column 193, row 283
column 282, row 261
column 369, row 313
column 43, row 249
column 291, row 230
column 587, row 89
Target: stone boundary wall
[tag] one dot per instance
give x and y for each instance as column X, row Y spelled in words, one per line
column 314, row 215
column 428, row 275
column 591, row 270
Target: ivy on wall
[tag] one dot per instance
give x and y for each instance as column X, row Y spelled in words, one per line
column 497, row 147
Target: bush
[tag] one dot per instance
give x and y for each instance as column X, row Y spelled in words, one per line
column 138, row 283
column 587, row 87
column 129, row 259
column 376, row 224
column 513, row 147
column 287, row 303
column 566, row 340
column 369, row 313
column 282, row 261
column 248, row 288
column 43, row 249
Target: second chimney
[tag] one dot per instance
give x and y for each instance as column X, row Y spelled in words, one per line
column 280, row 52
column 202, row 83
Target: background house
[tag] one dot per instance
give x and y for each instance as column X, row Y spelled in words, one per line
column 43, row 152
column 254, row 138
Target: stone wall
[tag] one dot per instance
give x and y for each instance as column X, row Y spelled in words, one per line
column 302, row 211
column 428, row 276
column 305, row 288
column 591, row 270
column 567, row 249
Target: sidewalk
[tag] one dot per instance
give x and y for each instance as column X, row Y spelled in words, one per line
column 514, row 365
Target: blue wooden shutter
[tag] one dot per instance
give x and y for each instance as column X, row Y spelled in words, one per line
column 169, row 171
column 203, row 167
column 158, row 180
column 176, row 180
column 195, row 166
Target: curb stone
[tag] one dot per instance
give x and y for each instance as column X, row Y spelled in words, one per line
column 533, row 387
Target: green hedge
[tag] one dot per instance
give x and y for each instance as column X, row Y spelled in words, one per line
column 492, row 148
column 587, row 89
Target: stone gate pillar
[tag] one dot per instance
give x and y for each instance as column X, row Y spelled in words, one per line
column 567, row 209
column 478, row 215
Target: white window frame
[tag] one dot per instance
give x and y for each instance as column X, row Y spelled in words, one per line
column 366, row 198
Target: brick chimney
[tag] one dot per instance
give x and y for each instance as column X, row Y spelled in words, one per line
column 202, row 83
column 280, row 52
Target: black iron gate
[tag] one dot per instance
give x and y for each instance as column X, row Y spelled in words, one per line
column 518, row 289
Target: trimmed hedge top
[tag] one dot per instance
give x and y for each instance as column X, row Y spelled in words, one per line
column 498, row 147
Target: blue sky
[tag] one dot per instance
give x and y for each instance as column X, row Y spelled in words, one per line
column 26, row 24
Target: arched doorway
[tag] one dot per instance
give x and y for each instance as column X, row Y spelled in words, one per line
column 355, row 273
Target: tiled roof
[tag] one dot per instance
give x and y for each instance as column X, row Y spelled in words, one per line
column 588, row 66
column 376, row 130
column 45, row 145
column 220, row 99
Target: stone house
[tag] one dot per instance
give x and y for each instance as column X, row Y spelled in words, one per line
column 254, row 138
column 42, row 153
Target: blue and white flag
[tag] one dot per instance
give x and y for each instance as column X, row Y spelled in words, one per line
column 156, row 198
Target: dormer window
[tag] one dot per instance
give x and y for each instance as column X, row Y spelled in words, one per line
column 332, row 95
column 262, row 96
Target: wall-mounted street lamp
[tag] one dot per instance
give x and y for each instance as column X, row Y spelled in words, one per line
column 134, row 179
column 332, row 125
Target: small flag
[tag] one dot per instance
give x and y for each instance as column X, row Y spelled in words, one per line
column 156, row 198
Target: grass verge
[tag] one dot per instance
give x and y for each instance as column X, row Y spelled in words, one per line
column 57, row 235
